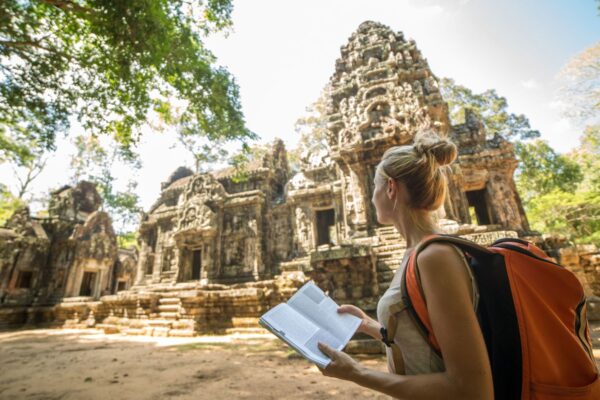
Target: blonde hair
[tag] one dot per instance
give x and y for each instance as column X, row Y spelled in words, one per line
column 420, row 168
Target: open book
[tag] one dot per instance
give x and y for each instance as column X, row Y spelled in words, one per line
column 310, row 316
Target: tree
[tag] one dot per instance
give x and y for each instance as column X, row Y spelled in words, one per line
column 542, row 170
column 205, row 152
column 94, row 162
column 8, row 204
column 560, row 192
column 580, row 90
column 587, row 155
column 573, row 214
column 312, row 129
column 108, row 63
column 29, row 171
column 492, row 108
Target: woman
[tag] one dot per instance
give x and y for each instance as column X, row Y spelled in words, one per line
column 409, row 187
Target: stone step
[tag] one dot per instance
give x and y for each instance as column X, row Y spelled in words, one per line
column 392, row 234
column 169, row 307
column 389, row 260
column 183, row 324
column 161, row 331
column 386, row 229
column 182, row 333
column 170, row 315
column 388, row 248
column 157, row 323
column 386, row 255
column 391, row 240
column 135, row 331
column 169, row 300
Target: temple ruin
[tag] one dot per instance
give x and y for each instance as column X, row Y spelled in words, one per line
column 215, row 252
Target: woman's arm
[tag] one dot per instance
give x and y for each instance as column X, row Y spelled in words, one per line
column 446, row 285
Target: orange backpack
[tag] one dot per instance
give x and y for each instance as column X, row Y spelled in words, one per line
column 532, row 313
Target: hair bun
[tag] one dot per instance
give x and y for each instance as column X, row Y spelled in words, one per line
column 429, row 144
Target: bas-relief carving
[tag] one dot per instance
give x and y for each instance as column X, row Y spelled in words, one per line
column 304, row 229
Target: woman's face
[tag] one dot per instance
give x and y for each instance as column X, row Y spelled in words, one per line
column 384, row 195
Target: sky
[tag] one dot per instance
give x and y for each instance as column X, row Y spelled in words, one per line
column 282, row 53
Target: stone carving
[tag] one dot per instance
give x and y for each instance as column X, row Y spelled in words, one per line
column 71, row 252
column 303, row 227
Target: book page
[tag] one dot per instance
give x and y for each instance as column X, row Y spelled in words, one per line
column 316, row 306
column 294, row 329
column 310, row 317
column 290, row 323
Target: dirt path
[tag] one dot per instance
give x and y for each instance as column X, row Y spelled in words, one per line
column 86, row 364
column 60, row 364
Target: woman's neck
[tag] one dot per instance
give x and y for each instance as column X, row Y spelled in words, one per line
column 412, row 231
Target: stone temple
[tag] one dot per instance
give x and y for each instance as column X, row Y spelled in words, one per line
column 215, row 253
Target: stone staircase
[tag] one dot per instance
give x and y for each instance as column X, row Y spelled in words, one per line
column 169, row 321
column 389, row 251
column 391, row 247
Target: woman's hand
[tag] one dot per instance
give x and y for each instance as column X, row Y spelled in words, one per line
column 367, row 325
column 342, row 366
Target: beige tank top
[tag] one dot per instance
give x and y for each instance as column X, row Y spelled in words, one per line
column 418, row 356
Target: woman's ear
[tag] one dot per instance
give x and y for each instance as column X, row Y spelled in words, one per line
column 391, row 188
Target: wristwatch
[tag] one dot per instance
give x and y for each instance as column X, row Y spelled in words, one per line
column 384, row 337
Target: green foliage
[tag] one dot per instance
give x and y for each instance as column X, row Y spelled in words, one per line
column 542, row 170
column 561, row 192
column 205, row 152
column 8, row 204
column 94, row 162
column 313, row 132
column 573, row 214
column 492, row 108
column 587, row 155
column 127, row 240
column 239, row 162
column 107, row 62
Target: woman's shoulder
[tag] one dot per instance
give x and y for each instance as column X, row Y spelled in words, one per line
column 440, row 253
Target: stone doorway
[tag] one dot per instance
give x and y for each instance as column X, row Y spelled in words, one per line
column 87, row 284
column 478, row 206
column 196, row 264
column 325, row 226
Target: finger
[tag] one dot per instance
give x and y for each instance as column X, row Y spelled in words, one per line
column 325, row 349
column 344, row 308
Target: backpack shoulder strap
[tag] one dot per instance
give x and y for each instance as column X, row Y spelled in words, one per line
column 412, row 291
column 397, row 357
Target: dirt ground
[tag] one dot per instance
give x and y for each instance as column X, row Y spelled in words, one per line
column 86, row 364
